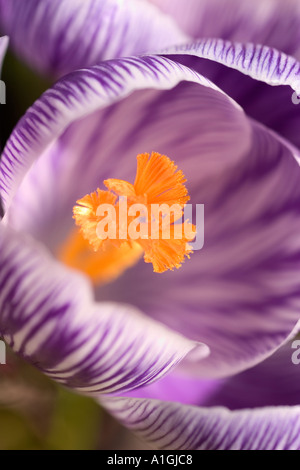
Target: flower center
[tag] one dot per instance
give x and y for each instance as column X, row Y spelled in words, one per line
column 119, row 224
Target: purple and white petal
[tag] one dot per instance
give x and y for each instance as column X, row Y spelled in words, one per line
column 222, row 62
column 48, row 316
column 266, row 22
column 174, row 426
column 76, row 154
column 275, row 107
column 273, row 382
column 59, row 36
column 258, row 61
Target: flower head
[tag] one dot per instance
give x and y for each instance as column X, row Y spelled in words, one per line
column 225, row 310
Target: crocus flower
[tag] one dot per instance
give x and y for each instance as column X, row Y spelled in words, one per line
column 238, row 296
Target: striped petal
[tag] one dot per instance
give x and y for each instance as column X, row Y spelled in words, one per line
column 49, row 317
column 273, row 106
column 74, row 157
column 261, row 21
column 258, row 61
column 273, row 382
column 174, row 426
column 58, row 36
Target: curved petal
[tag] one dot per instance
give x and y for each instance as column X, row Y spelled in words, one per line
column 258, row 61
column 263, row 22
column 49, row 317
column 260, row 22
column 273, row 382
column 58, row 36
column 173, row 426
column 274, row 107
column 84, row 92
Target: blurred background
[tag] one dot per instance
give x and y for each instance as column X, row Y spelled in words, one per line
column 37, row 414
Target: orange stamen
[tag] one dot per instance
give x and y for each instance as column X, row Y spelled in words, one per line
column 157, row 182
column 85, row 215
column 101, row 266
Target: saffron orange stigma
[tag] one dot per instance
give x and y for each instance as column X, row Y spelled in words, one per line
column 155, row 199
